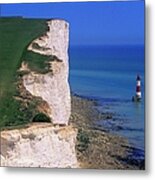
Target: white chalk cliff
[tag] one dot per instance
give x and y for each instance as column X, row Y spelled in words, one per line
column 53, row 87
column 44, row 144
column 40, row 145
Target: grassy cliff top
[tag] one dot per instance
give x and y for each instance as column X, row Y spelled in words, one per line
column 16, row 33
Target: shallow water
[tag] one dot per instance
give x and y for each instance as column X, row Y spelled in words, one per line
column 108, row 74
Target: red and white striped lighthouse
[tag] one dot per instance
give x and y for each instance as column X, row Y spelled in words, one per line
column 138, row 88
column 138, row 95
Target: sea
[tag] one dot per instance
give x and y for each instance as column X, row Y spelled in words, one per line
column 108, row 75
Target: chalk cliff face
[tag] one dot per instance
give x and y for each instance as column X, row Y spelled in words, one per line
column 40, row 145
column 45, row 144
column 53, row 87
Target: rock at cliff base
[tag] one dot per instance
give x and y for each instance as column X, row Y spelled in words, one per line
column 40, row 145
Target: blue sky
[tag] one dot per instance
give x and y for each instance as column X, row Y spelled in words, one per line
column 93, row 23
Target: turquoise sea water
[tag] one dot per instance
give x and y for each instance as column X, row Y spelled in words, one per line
column 108, row 74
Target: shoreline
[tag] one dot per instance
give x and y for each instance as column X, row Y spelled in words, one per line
column 96, row 148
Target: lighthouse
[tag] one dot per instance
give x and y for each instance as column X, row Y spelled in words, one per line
column 138, row 88
column 138, row 95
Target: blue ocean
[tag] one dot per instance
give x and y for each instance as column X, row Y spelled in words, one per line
column 108, row 74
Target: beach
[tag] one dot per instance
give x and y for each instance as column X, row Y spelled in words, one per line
column 97, row 149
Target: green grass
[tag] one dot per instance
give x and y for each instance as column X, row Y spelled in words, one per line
column 13, row 114
column 15, row 35
column 37, row 62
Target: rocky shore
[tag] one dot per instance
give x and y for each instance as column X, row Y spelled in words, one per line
column 95, row 148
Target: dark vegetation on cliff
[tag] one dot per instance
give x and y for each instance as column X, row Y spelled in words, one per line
column 37, row 62
column 15, row 35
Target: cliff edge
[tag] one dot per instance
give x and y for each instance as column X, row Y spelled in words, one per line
column 52, row 86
